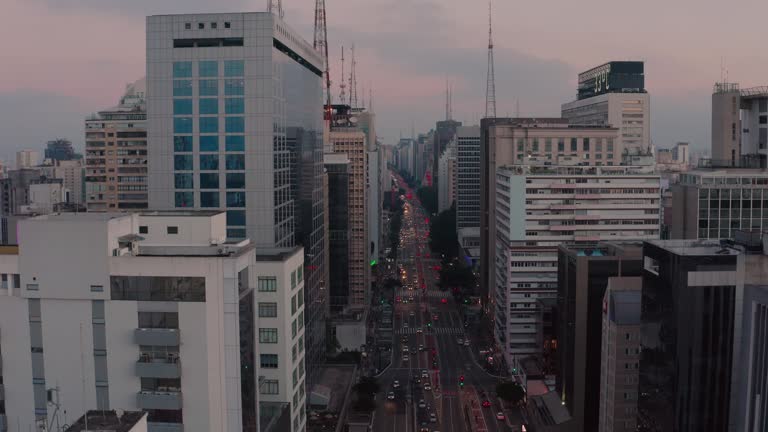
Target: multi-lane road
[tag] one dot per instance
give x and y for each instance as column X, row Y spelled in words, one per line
column 430, row 356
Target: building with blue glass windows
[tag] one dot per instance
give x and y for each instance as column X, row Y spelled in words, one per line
column 234, row 119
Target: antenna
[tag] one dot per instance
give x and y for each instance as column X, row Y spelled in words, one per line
column 490, row 88
column 342, row 85
column 370, row 97
column 321, row 46
column 353, row 81
column 363, row 102
column 276, row 7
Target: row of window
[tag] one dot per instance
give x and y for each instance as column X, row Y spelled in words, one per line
column 183, row 125
column 208, row 143
column 210, row 199
column 209, row 180
column 209, row 68
column 208, row 106
column 209, row 162
column 209, row 87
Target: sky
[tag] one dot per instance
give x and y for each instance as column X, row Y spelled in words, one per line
column 65, row 59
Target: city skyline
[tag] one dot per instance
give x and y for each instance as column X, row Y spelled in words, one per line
column 79, row 74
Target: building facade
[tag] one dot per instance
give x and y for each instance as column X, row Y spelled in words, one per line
column 446, row 189
column 70, row 172
column 620, row 347
column 614, row 95
column 692, row 290
column 709, row 204
column 168, row 317
column 60, row 149
column 116, row 154
column 739, row 125
column 339, row 234
column 468, row 177
column 27, row 159
column 226, row 135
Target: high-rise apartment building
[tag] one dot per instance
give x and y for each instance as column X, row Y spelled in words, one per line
column 539, row 208
column 467, row 177
column 445, row 130
column 446, row 189
column 527, row 141
column 692, row 292
column 339, row 234
column 116, row 154
column 168, row 317
column 70, row 172
column 234, row 123
column 715, row 203
column 27, row 159
column 614, row 95
column 620, row 347
column 739, row 126
column 14, row 190
column 583, row 274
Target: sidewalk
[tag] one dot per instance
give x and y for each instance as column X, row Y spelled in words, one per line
column 481, row 339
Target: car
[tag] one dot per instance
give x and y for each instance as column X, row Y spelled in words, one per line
column 405, row 357
column 405, row 325
column 466, row 342
column 417, row 379
column 500, row 416
column 424, row 373
column 411, row 314
column 396, row 384
column 427, row 387
column 391, row 395
column 405, row 349
column 434, row 317
column 432, row 418
column 424, row 429
column 418, row 330
column 460, row 341
column 422, row 404
column 486, row 404
column 443, row 300
column 421, row 347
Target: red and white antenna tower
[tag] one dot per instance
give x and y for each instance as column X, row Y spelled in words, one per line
column 276, row 7
column 321, row 46
column 490, row 90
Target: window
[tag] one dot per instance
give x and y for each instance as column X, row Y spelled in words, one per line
column 267, row 310
column 182, row 107
column 609, row 146
column 574, row 145
column 184, row 199
column 161, row 320
column 182, row 143
column 300, row 273
column 293, row 281
column 295, row 351
column 561, row 145
column 269, row 361
column 234, row 125
column 97, row 288
column 235, row 199
column 267, row 284
column 234, row 87
column 209, row 106
column 182, row 162
column 209, row 180
column 182, row 125
column 235, row 143
column 182, row 88
column 200, row 26
column 235, row 162
column 269, row 387
column 234, row 105
column 209, row 143
column 585, row 144
column 209, row 125
column 208, row 87
column 234, row 68
column 763, row 119
column 227, row 24
column 267, row 335
column 209, row 199
column 187, row 26
column 235, row 180
column 183, row 181
column 214, row 25
column 172, row 230
column 209, row 162
column 300, row 297
column 182, row 69
column 33, row 287
column 301, row 320
column 143, row 229
column 235, row 217
column 293, row 305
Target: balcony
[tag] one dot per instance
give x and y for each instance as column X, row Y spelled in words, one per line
column 165, row 427
column 156, row 336
column 167, row 366
column 160, row 399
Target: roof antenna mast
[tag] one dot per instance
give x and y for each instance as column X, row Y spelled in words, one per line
column 490, row 89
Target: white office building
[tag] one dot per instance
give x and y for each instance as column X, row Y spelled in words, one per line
column 539, row 208
column 446, row 172
column 467, row 177
column 163, row 319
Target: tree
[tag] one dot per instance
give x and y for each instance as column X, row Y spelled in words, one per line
column 365, row 404
column 428, row 197
column 443, row 238
column 367, row 386
column 510, row 392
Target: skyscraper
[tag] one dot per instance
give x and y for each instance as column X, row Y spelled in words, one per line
column 739, row 126
column 234, row 122
column 468, row 177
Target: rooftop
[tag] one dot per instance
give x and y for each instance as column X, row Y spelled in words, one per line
column 605, row 249
column 694, row 247
column 104, row 421
column 625, row 297
column 181, row 213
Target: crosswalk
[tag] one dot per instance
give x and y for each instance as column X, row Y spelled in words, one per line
column 404, row 293
column 434, row 330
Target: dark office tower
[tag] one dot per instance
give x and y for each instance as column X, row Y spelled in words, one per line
column 691, row 289
column 444, row 132
column 582, row 275
column 60, row 149
column 337, row 167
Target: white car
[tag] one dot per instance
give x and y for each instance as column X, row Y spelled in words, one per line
column 500, row 416
column 391, row 396
column 424, row 373
column 405, row 349
column 422, row 404
column 466, row 342
column 405, row 357
column 396, row 384
column 432, row 418
column 427, row 387
column 418, row 330
column 460, row 341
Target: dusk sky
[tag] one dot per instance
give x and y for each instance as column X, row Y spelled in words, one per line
column 64, row 59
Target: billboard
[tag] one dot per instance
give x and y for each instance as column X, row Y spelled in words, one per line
column 613, row 77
